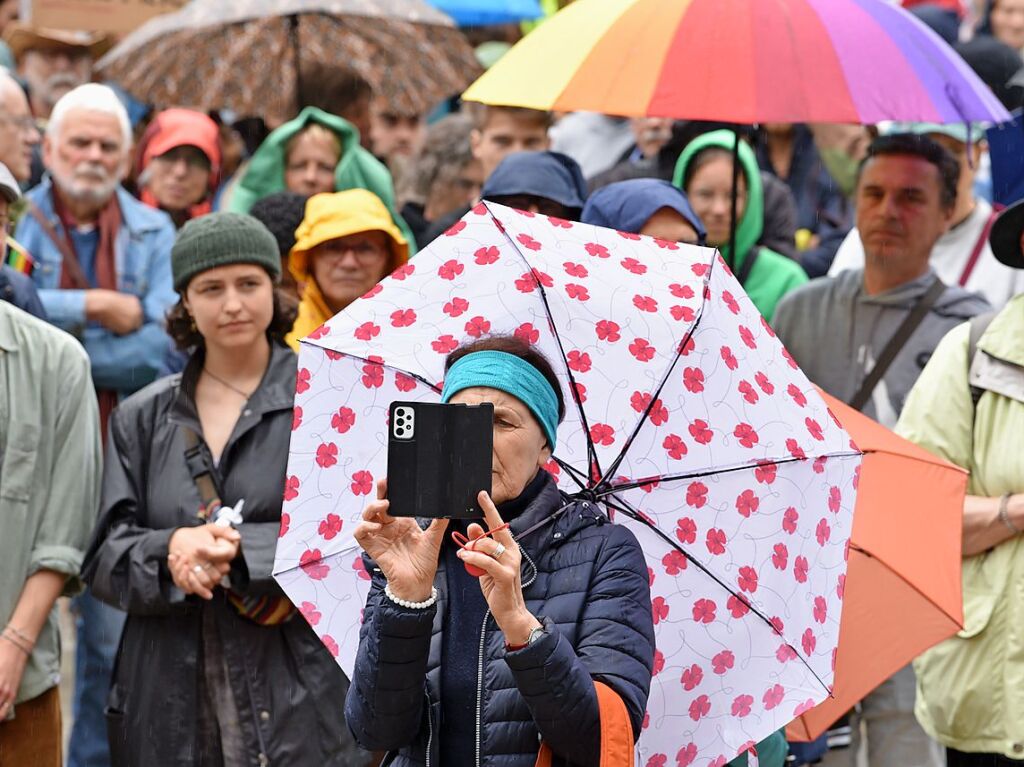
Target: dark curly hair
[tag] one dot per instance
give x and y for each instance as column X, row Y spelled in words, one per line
column 186, row 337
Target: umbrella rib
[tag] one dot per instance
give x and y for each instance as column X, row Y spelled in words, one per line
column 417, row 376
column 928, row 599
column 627, row 509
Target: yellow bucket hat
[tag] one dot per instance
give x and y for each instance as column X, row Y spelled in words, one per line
column 331, row 215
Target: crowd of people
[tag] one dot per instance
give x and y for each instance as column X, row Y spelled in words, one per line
column 161, row 267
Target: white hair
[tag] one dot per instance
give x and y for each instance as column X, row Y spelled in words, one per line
column 91, row 97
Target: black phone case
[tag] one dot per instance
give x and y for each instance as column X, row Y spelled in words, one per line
column 439, row 459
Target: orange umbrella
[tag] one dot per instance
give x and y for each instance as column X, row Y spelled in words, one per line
column 902, row 591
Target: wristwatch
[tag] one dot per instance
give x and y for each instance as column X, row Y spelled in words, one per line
column 534, row 635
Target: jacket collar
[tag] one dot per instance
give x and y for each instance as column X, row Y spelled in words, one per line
column 8, row 338
column 1002, row 338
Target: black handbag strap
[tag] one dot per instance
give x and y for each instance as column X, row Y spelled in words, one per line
column 200, row 471
column 748, row 264
column 896, row 343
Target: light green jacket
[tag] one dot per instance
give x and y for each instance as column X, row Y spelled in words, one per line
column 970, row 693
column 49, row 471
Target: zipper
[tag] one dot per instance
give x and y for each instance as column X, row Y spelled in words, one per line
column 430, row 729
column 480, row 656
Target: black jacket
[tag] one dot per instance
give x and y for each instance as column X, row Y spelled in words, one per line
column 587, row 580
column 287, row 687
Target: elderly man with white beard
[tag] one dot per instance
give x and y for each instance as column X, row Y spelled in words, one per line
column 103, row 270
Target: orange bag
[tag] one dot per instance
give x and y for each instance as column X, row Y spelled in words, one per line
column 616, row 731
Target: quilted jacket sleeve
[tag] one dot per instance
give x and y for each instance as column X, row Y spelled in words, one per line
column 615, row 646
column 384, row 706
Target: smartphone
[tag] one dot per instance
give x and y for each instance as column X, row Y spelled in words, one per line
column 439, row 459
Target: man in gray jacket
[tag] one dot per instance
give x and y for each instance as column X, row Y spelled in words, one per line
column 839, row 328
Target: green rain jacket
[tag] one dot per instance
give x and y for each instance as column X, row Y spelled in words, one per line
column 773, row 275
column 970, row 688
column 358, row 168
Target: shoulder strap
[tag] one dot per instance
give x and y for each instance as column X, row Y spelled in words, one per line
column 617, row 748
column 70, row 264
column 201, row 474
column 748, row 264
column 978, row 325
column 896, row 343
column 979, row 246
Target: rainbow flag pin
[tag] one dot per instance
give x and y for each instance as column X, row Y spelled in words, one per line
column 17, row 257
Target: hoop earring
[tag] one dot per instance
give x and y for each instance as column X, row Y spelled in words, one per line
column 192, row 324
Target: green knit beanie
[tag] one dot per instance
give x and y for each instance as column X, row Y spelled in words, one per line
column 219, row 239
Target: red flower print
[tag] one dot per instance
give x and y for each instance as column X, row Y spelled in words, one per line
column 696, row 494
column 579, row 292
column 780, row 556
column 682, row 313
column 373, row 376
column 444, row 344
column 686, row 532
column 794, row 449
column 747, row 337
column 747, row 579
column 722, row 662
column 776, row 622
column 693, row 380
column 477, row 327
column 310, row 613
column 403, row 318
column 578, row 361
column 773, row 696
column 741, row 705
column 456, row 307
column 296, row 418
column 343, row 420
column 694, row 675
column 814, row 428
column 312, row 564
column 704, row 610
column 789, row 520
column 579, row 392
column 764, row 384
column 800, row 569
column 552, row 468
column 715, row 541
column 747, row 503
column 737, row 607
column 820, row 609
column 748, row 392
column 633, row 266
column 575, row 270
column 608, row 331
column 526, row 213
column 823, row 532
column 450, row 269
column 528, row 242
column 789, row 359
column 765, row 473
column 602, row 434
column 803, row 708
column 406, row 270
column 785, row 653
column 645, row 303
column 659, row 608
column 302, row 381
column 798, row 396
column 373, row 291
column 674, row 561
column 730, row 302
column 767, row 327
column 330, row 644
column 699, row 269
column 366, row 331
column 808, row 641
column 291, row 488
column 681, row 291
column 656, row 760
column 330, row 526
column 404, row 383
column 841, row 587
column 729, row 358
column 559, row 223
column 639, row 401
column 594, row 249
column 320, row 332
column 700, row 432
column 819, row 464
column 642, row 350
column 686, row 755
column 479, row 209
column 527, row 333
column 526, row 283
column 362, row 483
column 327, row 455
column 333, row 355
column 674, row 446
column 700, row 707
column 286, row 520
column 746, row 435
column 835, row 499
column 455, row 229
column 658, row 413
column 485, row 256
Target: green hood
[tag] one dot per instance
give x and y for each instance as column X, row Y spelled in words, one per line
column 358, row 168
column 752, row 221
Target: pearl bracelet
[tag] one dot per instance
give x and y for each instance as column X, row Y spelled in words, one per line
column 411, row 605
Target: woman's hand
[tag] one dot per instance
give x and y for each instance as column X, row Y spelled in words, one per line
column 406, row 554
column 12, row 666
column 201, row 556
column 501, row 585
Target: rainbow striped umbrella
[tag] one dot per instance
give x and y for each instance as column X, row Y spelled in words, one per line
column 743, row 61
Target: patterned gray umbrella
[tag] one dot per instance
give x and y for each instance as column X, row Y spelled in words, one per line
column 249, row 55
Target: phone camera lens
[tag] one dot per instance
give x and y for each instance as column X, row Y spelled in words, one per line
column 400, row 421
column 399, row 431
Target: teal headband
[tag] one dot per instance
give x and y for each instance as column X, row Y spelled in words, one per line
column 512, row 375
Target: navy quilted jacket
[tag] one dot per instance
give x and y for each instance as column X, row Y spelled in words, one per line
column 586, row 579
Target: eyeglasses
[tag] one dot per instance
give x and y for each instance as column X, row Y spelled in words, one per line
column 25, row 123
column 193, row 158
column 365, row 251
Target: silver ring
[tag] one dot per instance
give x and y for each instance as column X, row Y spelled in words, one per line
column 498, row 551
column 197, row 569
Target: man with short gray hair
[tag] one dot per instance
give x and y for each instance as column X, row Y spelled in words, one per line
column 18, row 133
column 102, row 266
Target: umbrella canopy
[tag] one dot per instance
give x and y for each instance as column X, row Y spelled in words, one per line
column 249, row 55
column 743, row 61
column 902, row 589
column 687, row 419
column 469, row 13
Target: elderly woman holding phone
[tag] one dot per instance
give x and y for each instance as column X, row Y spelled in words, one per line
column 455, row 670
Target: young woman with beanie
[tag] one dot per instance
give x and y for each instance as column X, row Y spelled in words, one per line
column 215, row 668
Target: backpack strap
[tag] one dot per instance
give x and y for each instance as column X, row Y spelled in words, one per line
column 979, row 324
column 748, row 265
column 616, row 732
column 200, row 472
column 979, row 246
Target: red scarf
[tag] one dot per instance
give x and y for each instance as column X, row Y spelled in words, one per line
column 197, row 210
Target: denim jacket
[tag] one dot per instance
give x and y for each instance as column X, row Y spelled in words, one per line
column 143, row 266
